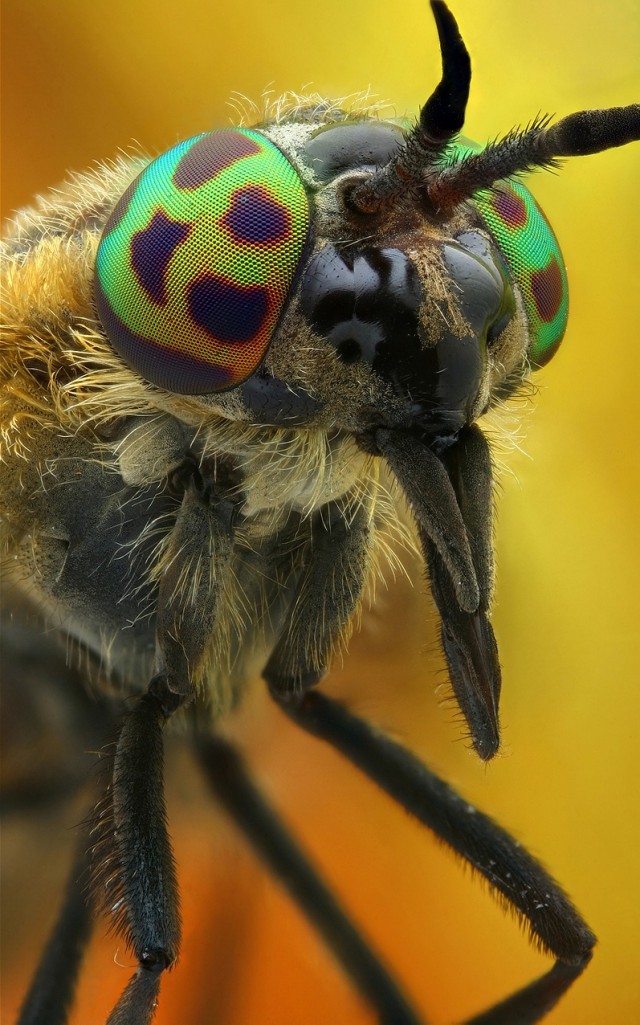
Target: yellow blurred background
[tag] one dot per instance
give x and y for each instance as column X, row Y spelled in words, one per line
column 83, row 80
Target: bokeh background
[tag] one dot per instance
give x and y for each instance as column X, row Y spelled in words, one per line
column 84, row 80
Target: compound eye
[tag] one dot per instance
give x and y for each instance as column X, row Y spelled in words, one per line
column 198, row 258
column 533, row 254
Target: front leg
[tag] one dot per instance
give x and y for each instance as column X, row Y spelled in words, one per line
column 329, row 591
column 514, row 874
column 134, row 872
column 193, row 574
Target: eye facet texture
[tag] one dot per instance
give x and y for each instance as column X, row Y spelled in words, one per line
column 197, row 260
column 531, row 250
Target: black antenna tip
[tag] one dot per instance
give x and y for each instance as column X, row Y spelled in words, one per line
column 443, row 114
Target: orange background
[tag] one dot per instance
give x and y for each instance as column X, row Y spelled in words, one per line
column 82, row 80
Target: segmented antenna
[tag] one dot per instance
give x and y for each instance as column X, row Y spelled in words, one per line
column 441, row 118
column 588, row 131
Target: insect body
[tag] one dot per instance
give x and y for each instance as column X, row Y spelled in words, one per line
column 213, row 362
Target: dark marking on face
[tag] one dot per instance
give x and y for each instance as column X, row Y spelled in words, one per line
column 367, row 304
column 361, row 300
column 272, row 401
column 349, row 350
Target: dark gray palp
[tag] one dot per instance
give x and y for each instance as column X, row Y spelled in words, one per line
column 428, row 490
column 467, row 638
column 469, row 466
column 451, row 498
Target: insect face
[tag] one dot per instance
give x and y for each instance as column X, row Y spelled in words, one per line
column 245, row 339
column 214, row 267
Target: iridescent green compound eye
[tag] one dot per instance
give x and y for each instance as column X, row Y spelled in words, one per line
column 531, row 250
column 198, row 258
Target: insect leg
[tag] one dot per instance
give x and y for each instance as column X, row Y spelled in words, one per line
column 328, row 593
column 193, row 571
column 231, row 784
column 135, row 875
column 135, row 872
column 532, row 1003
column 50, row 993
column 518, row 878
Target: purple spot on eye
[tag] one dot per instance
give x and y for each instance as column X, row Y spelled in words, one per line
column 151, row 251
column 231, row 313
column 256, row 217
column 210, row 155
column 546, row 286
column 510, row 207
column 157, row 362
